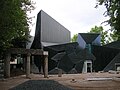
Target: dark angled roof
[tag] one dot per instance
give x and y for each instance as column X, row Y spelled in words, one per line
column 89, row 37
column 79, row 66
column 63, row 47
column 85, row 55
column 74, row 58
column 58, row 56
column 73, row 71
column 111, row 65
column 55, row 71
column 104, row 55
column 115, row 44
column 67, row 56
column 65, row 64
column 81, row 56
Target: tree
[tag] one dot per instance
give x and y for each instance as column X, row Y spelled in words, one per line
column 14, row 22
column 74, row 38
column 113, row 11
column 104, row 34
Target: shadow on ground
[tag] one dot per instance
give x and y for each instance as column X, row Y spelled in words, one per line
column 40, row 85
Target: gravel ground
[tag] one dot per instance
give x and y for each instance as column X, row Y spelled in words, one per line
column 81, row 82
column 40, row 85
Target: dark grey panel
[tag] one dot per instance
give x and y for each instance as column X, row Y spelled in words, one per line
column 115, row 44
column 81, row 42
column 65, row 64
column 104, row 56
column 79, row 66
column 89, row 37
column 52, row 31
column 97, row 41
column 111, row 65
column 37, row 39
column 58, row 56
column 74, row 58
column 49, row 31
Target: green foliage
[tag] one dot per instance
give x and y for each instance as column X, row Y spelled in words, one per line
column 113, row 11
column 104, row 34
column 74, row 38
column 14, row 22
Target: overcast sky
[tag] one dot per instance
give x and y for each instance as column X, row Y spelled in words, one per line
column 78, row 16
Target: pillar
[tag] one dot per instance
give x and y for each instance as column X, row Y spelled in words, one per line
column 7, row 65
column 91, row 67
column 46, row 66
column 24, row 64
column 28, row 66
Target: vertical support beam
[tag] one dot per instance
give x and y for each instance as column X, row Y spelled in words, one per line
column 91, row 67
column 24, row 64
column 86, row 66
column 46, row 66
column 28, row 66
column 7, row 65
column 42, row 67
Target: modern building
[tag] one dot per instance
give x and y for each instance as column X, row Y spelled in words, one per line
column 49, row 31
column 85, row 41
column 55, row 38
column 83, row 56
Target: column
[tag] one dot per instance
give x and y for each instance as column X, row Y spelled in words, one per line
column 46, row 66
column 91, row 67
column 28, row 66
column 7, row 65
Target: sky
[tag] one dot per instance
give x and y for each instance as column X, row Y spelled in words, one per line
column 78, row 16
